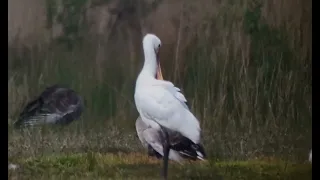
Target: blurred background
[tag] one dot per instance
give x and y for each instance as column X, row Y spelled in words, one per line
column 244, row 66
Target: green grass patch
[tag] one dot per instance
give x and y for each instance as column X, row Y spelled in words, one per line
column 139, row 166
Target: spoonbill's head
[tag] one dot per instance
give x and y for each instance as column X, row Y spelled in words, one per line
column 152, row 41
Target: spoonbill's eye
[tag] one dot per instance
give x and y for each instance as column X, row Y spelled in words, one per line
column 159, row 46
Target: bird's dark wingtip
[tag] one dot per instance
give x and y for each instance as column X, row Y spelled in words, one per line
column 190, row 150
column 200, row 149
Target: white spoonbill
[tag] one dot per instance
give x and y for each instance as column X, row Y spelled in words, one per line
column 161, row 105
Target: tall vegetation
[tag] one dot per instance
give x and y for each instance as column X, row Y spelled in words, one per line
column 245, row 68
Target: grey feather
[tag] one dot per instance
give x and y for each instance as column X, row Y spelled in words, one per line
column 181, row 147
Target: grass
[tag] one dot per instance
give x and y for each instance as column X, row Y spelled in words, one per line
column 138, row 166
column 105, row 151
column 244, row 66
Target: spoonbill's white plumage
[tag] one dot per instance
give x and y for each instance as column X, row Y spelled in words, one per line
column 160, row 104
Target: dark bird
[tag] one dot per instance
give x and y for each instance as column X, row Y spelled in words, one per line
column 55, row 105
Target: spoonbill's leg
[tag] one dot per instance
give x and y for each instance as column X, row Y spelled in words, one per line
column 166, row 149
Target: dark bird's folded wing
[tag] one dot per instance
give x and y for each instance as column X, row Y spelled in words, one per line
column 55, row 105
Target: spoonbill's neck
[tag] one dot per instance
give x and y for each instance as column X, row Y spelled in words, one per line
column 150, row 60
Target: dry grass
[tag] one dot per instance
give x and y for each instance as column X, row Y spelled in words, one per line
column 247, row 77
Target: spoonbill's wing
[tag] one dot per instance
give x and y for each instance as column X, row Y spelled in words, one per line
column 163, row 103
column 176, row 92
